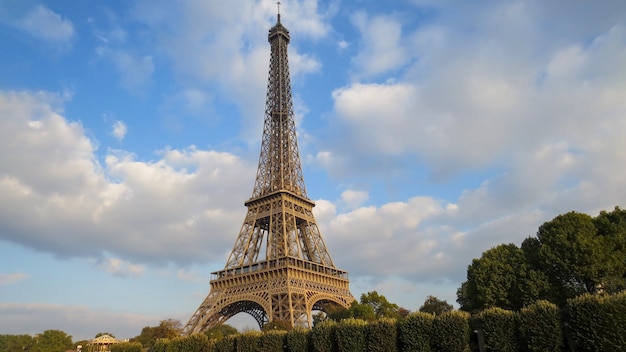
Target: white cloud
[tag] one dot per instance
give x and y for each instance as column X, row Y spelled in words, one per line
column 137, row 211
column 119, row 267
column 380, row 49
column 47, row 25
column 353, row 198
column 119, row 130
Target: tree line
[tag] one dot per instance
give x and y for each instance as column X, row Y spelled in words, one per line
column 570, row 255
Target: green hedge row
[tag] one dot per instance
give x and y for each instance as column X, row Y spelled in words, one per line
column 598, row 323
column 594, row 323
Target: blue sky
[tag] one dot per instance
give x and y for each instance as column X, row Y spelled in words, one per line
column 429, row 132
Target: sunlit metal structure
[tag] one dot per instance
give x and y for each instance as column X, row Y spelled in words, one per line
column 279, row 268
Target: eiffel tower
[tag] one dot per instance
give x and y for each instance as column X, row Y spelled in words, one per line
column 279, row 268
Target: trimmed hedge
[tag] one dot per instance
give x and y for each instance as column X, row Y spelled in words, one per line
column 451, row 332
column 414, row 332
column 126, row 347
column 350, row 335
column 540, row 327
column 500, row 328
column 227, row 344
column 598, row 323
column 381, row 335
column 160, row 345
column 323, row 337
column 297, row 340
column 272, row 341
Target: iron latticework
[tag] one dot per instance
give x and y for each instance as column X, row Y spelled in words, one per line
column 279, row 268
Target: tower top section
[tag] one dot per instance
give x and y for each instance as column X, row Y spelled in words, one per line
column 278, row 29
column 279, row 162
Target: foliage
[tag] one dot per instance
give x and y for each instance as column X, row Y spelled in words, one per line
column 16, row 343
column 415, row 332
column 350, row 335
column 227, row 344
column 436, row 306
column 297, row 340
column 126, row 347
column 191, row 343
column 220, row 331
column 160, row 345
column 276, row 325
column 540, row 327
column 52, row 341
column 500, row 278
column 381, row 306
column 323, row 337
column 248, row 341
column 104, row 333
column 598, row 322
column 272, row 341
column 571, row 255
column 451, row 332
column 167, row 329
column 500, row 329
column 381, row 335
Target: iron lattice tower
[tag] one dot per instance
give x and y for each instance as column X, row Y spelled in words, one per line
column 279, row 268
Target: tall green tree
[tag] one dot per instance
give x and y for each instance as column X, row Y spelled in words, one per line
column 52, row 341
column 500, row 278
column 572, row 255
column 16, row 343
column 381, row 306
column 167, row 329
column 611, row 227
column 436, row 306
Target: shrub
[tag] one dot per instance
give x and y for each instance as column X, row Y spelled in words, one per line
column 540, row 327
column 297, row 340
column 126, row 347
column 414, row 332
column 160, row 345
column 598, row 323
column 451, row 332
column 500, row 328
column 323, row 337
column 272, row 341
column 227, row 344
column 350, row 335
column 248, row 341
column 381, row 335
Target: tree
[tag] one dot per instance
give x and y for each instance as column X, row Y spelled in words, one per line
column 572, row 255
column 220, row 331
column 52, row 341
column 167, row 329
column 500, row 278
column 16, row 343
column 104, row 333
column 611, row 226
column 276, row 325
column 436, row 306
column 381, row 306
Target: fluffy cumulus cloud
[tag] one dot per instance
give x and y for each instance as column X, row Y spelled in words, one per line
column 57, row 197
column 538, row 109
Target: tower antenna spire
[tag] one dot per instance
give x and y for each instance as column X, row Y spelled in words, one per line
column 278, row 5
